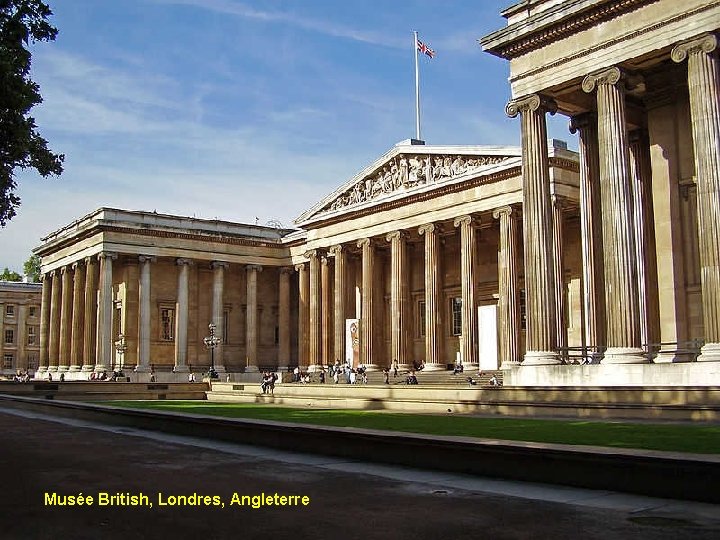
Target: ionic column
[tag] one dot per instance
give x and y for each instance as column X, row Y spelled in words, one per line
column 251, row 318
column 644, row 244
column 182, row 315
column 339, row 324
column 621, row 285
column 433, row 310
column 593, row 279
column 541, row 328
column 91, row 314
column 44, row 322
column 558, row 268
column 326, row 320
column 143, row 365
column 469, row 341
column 314, row 330
column 284, row 319
column 398, row 297
column 218, row 318
column 303, row 315
column 65, row 319
column 367, row 342
column 78, row 314
column 105, row 339
column 508, row 301
column 703, row 76
column 54, row 343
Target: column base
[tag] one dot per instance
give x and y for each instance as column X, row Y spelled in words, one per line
column 370, row 368
column 41, row 369
column 181, row 369
column 672, row 357
column 625, row 355
column 709, row 353
column 63, row 369
column 506, row 366
column 88, row 368
column 99, row 368
column 52, row 369
column 251, row 369
column 74, row 368
column 142, row 369
column 428, row 367
column 541, row 358
column 220, row 370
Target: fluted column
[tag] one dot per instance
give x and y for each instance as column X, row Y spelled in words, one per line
column 339, row 324
column 143, row 365
column 508, row 301
column 303, row 315
column 182, row 316
column 314, row 330
column 78, row 315
column 469, row 338
column 433, row 310
column 44, row 322
column 251, row 361
column 65, row 318
column 325, row 318
column 593, row 278
column 367, row 341
column 704, row 88
column 105, row 339
column 284, row 318
column 558, row 206
column 541, row 327
column 619, row 245
column 398, row 297
column 91, row 313
column 54, row 342
column 218, row 312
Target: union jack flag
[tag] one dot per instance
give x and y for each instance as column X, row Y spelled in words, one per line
column 425, row 49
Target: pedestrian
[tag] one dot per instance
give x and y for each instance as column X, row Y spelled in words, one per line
column 386, row 375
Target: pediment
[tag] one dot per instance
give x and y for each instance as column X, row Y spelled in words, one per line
column 410, row 169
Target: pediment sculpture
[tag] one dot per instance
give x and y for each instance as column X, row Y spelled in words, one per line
column 406, row 171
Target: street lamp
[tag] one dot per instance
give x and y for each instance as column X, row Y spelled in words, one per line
column 120, row 347
column 211, row 342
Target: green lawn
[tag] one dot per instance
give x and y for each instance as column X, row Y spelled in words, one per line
column 694, row 438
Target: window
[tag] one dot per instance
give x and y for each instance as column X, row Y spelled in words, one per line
column 32, row 312
column 523, row 310
column 456, row 315
column 9, row 310
column 9, row 336
column 224, row 335
column 32, row 359
column 8, row 360
column 421, row 318
column 32, row 335
column 167, row 324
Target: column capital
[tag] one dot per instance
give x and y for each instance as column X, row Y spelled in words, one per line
column 313, row 253
column 336, row 249
column 467, row 219
column 146, row 258
column 561, row 203
column 253, row 267
column 219, row 264
column 429, row 228
column 582, row 121
column 300, row 267
column 363, row 242
column 532, row 102
column 286, row 270
column 396, row 235
column 107, row 255
column 324, row 260
column 64, row 269
column 505, row 211
column 76, row 264
column 183, row 262
column 704, row 43
column 611, row 76
column 89, row 260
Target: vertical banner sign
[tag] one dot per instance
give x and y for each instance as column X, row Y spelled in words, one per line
column 352, row 342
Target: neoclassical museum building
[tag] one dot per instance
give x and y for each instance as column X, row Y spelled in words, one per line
column 559, row 268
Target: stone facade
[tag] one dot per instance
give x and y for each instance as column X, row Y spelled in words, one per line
column 638, row 80
column 20, row 332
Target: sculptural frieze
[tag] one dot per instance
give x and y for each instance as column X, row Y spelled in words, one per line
column 407, row 171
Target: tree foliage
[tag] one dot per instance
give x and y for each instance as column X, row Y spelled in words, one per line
column 32, row 269
column 21, row 147
column 9, row 275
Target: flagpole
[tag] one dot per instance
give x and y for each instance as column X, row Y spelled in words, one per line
column 417, row 88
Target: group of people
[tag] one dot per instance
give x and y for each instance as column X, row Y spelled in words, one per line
column 268, row 382
column 22, row 376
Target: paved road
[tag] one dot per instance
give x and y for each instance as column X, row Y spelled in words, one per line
column 348, row 499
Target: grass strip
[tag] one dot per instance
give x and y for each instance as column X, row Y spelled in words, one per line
column 692, row 438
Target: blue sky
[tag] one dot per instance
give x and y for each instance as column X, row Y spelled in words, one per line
column 237, row 109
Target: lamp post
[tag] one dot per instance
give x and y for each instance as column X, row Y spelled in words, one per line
column 211, row 342
column 120, row 347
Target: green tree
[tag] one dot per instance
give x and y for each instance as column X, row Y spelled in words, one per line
column 32, row 269
column 9, row 275
column 21, row 147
